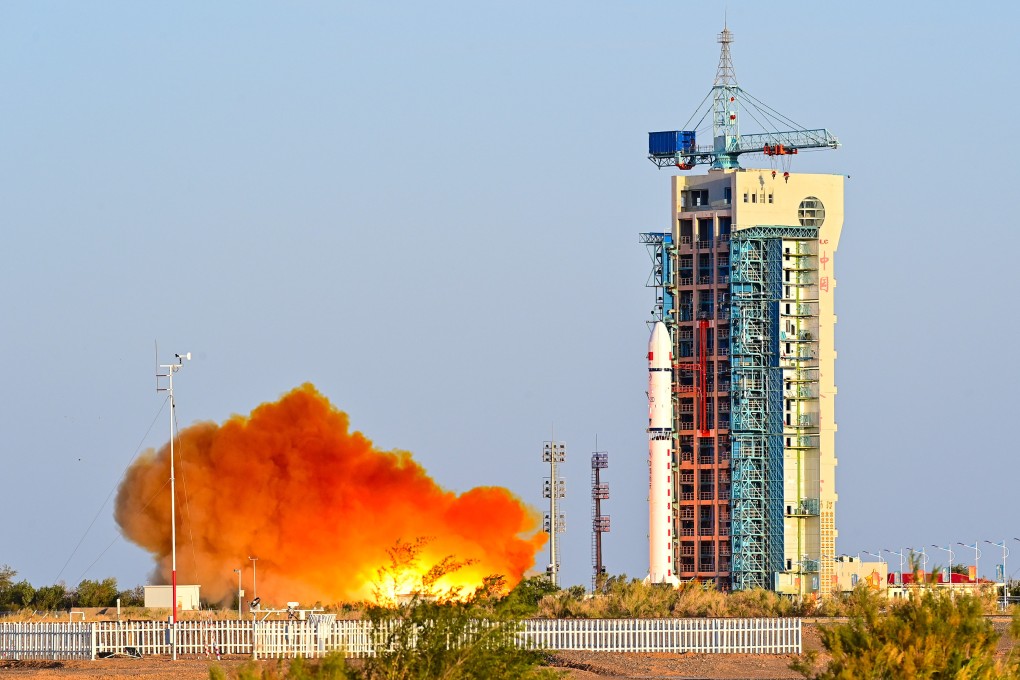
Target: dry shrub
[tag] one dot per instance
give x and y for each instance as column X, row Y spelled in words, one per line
column 930, row 635
column 759, row 602
column 696, row 600
column 623, row 598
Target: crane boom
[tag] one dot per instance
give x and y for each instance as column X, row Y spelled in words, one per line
column 768, row 143
column 679, row 147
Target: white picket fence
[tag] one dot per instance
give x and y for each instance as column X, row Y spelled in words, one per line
column 47, row 641
column 708, row 636
column 286, row 639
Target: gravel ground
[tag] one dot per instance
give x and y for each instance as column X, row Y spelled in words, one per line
column 612, row 666
column 577, row 665
column 608, row 666
column 149, row 668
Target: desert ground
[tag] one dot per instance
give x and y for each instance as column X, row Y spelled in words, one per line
column 576, row 665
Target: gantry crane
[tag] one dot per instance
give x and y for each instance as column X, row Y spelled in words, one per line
column 679, row 147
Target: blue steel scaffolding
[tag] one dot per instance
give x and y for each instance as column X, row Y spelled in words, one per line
column 757, row 402
column 660, row 246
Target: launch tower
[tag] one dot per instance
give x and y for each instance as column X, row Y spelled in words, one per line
column 744, row 283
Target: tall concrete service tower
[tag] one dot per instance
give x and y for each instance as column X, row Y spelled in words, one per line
column 744, row 282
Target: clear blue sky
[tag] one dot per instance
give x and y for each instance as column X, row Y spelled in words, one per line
column 431, row 211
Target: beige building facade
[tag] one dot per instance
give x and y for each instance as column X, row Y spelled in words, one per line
column 749, row 301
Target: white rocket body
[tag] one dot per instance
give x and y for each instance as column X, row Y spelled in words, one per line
column 660, row 464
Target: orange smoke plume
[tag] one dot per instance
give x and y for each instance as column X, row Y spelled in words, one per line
column 318, row 506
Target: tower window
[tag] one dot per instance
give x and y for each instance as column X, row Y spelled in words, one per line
column 811, row 212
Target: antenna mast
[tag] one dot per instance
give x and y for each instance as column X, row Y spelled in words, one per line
column 724, row 104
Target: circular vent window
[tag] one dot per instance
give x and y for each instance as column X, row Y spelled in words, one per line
column 811, row 212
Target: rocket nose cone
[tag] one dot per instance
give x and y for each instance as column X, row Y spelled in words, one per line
column 659, row 346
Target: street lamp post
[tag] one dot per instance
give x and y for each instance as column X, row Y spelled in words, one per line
column 1005, row 574
column 948, row 549
column 977, row 555
column 240, row 593
column 900, row 554
column 169, row 389
column 924, row 559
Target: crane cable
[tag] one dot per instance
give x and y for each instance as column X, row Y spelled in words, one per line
column 117, row 538
column 788, row 121
column 187, row 500
column 92, row 523
column 687, row 124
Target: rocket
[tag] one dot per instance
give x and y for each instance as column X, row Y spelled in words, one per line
column 660, row 455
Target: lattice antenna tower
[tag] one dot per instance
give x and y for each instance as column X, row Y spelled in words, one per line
column 724, row 96
column 554, row 488
column 725, row 75
column 599, row 522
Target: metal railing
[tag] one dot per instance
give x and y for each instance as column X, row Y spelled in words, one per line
column 287, row 639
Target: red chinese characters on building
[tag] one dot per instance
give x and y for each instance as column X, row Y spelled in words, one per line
column 823, row 283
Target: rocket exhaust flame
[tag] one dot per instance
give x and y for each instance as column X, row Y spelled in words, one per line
column 318, row 504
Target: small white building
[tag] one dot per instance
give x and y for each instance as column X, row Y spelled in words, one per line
column 160, row 597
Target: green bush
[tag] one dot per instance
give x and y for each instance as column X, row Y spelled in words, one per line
column 935, row 635
column 19, row 596
column 446, row 635
column 51, row 598
column 132, row 598
column 96, row 593
column 448, row 639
